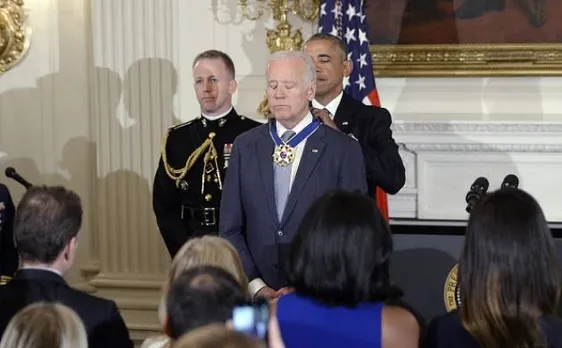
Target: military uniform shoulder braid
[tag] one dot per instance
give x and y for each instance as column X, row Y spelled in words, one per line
column 181, row 125
column 177, row 174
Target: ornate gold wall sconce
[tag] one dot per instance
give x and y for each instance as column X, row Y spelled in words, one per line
column 14, row 34
column 283, row 37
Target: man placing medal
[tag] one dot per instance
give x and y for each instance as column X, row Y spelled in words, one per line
column 277, row 170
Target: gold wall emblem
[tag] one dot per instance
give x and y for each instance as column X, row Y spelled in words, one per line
column 14, row 34
column 451, row 290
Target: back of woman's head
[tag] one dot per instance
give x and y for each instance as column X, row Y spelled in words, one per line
column 341, row 253
column 216, row 335
column 208, row 251
column 508, row 270
column 45, row 325
column 204, row 251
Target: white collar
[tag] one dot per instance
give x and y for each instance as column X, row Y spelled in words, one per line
column 213, row 118
column 42, row 268
column 332, row 106
column 299, row 127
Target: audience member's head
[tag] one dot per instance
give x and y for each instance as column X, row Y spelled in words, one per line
column 341, row 253
column 508, row 270
column 204, row 251
column 200, row 296
column 45, row 325
column 217, row 335
column 46, row 227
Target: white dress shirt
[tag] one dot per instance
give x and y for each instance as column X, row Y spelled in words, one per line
column 257, row 284
column 332, row 106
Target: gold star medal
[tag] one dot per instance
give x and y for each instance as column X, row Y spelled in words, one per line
column 283, row 155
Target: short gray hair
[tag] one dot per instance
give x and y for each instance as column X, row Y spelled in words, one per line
column 309, row 66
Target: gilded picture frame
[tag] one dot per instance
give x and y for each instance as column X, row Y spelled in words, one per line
column 511, row 40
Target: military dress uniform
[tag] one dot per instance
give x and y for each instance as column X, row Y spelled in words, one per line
column 188, row 183
column 8, row 254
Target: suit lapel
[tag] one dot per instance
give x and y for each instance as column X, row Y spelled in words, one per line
column 345, row 110
column 312, row 152
column 264, row 149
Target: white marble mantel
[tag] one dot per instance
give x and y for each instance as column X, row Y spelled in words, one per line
column 442, row 159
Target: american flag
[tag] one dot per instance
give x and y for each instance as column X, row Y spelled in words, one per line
column 345, row 19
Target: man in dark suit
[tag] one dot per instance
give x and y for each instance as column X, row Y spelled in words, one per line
column 278, row 169
column 188, row 182
column 370, row 125
column 8, row 253
column 46, row 229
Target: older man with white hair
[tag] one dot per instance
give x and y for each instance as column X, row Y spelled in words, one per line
column 277, row 170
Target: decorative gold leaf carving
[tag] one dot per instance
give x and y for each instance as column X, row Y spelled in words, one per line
column 14, row 34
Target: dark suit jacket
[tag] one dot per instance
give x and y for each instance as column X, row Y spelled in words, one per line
column 371, row 126
column 102, row 320
column 248, row 219
column 8, row 252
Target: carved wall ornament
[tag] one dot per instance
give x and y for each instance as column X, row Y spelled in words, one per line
column 14, row 34
column 283, row 38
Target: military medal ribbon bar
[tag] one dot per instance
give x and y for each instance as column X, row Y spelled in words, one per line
column 284, row 153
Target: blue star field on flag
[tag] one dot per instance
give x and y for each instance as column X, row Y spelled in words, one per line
column 345, row 19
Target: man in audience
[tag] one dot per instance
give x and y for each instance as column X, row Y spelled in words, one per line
column 201, row 296
column 46, row 229
column 278, row 169
column 8, row 253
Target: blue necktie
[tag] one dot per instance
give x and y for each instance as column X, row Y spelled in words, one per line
column 282, row 178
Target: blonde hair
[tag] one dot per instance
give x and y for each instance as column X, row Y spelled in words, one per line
column 204, row 251
column 45, row 325
column 216, row 335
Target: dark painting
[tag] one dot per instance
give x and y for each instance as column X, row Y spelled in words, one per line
column 449, row 22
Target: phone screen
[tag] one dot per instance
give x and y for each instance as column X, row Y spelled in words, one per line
column 252, row 319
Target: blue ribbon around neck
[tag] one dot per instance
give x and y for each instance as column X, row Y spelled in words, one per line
column 295, row 140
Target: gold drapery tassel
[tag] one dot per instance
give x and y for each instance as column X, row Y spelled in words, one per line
column 178, row 174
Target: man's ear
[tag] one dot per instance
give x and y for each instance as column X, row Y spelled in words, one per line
column 167, row 330
column 69, row 250
column 347, row 68
column 232, row 85
column 311, row 93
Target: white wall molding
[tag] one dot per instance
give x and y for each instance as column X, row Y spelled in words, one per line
column 412, row 127
column 442, row 159
column 472, row 147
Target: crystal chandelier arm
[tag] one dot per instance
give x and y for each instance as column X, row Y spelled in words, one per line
column 307, row 10
column 252, row 15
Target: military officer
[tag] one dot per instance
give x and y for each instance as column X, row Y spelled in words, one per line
column 194, row 157
column 8, row 254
